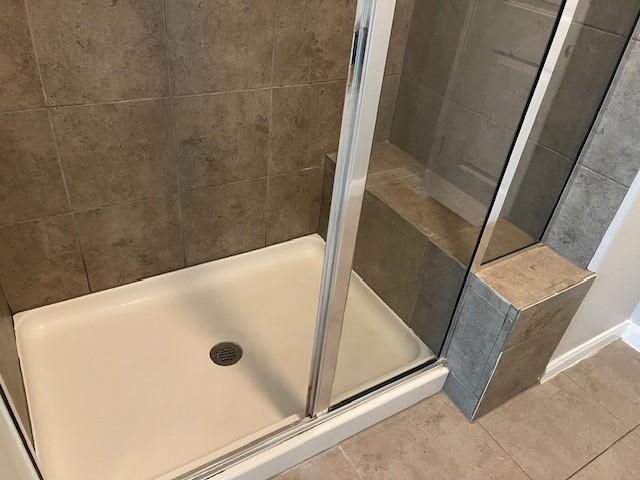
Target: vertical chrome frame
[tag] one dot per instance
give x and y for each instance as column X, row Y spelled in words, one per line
column 374, row 19
column 539, row 92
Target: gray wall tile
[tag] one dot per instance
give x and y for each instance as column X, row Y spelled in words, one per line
column 615, row 17
column 476, row 331
column 389, row 250
column 584, row 215
column 614, row 149
column 469, row 150
column 305, row 125
column 19, row 75
column 437, row 28
column 399, row 34
column 576, row 89
column 31, row 184
column 537, row 185
column 415, row 119
column 293, row 205
column 441, row 281
column 499, row 65
column 462, row 397
column 128, row 242
column 114, row 153
column 386, row 107
column 220, row 45
column 312, row 40
column 222, row 138
column 223, row 221
column 557, row 310
column 40, row 263
column 96, row 51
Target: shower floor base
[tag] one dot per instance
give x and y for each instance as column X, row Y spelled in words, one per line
column 120, row 384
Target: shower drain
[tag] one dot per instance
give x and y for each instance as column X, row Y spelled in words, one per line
column 226, row 353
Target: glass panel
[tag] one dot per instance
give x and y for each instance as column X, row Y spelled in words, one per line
column 594, row 45
column 458, row 77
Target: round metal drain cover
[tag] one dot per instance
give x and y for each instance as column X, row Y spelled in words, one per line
column 226, row 353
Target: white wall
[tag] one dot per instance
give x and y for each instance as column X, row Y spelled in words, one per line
column 616, row 292
column 14, row 462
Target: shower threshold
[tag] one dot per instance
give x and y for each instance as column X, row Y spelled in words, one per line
column 121, row 385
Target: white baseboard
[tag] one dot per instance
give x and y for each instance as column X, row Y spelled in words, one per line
column 585, row 350
column 333, row 431
column 631, row 336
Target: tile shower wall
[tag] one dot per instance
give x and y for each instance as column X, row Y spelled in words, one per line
column 606, row 168
column 139, row 137
column 468, row 69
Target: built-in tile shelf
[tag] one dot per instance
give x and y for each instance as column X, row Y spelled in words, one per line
column 510, row 319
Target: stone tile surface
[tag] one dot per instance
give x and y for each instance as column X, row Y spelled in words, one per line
column 540, row 179
column 518, row 277
column 389, row 250
column 224, row 220
column 40, row 263
column 305, row 125
column 552, row 311
column 437, row 27
column 293, row 205
column 477, row 327
column 220, row 45
column 577, row 88
column 222, row 138
column 614, row 149
column 31, row 184
column 386, row 107
column 415, row 119
column 329, row 465
column 620, row 462
column 19, row 78
column 312, row 40
column 616, row 17
column 399, row 34
column 539, row 429
column 441, row 281
column 127, row 242
column 95, row 51
column 113, row 153
column 429, row 440
column 584, row 216
column 506, row 43
column 612, row 377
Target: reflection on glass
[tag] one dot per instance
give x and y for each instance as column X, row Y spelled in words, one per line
column 592, row 49
column 448, row 114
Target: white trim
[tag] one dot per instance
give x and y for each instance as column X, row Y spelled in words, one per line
column 631, row 335
column 585, row 350
column 309, row 443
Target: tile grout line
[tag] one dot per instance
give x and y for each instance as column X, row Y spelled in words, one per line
column 265, row 210
column 172, row 133
column 349, row 461
column 76, row 233
column 505, row 451
column 175, row 96
column 566, row 374
column 599, row 455
column 36, row 59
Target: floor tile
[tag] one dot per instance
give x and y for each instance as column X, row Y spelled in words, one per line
column 330, row 465
column 612, row 377
column 620, row 462
column 553, row 429
column 431, row 440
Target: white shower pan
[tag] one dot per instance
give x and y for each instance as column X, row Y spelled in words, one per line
column 120, row 384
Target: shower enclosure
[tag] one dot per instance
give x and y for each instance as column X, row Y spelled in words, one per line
column 226, row 223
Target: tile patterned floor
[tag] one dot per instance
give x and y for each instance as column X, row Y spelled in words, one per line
column 582, row 425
